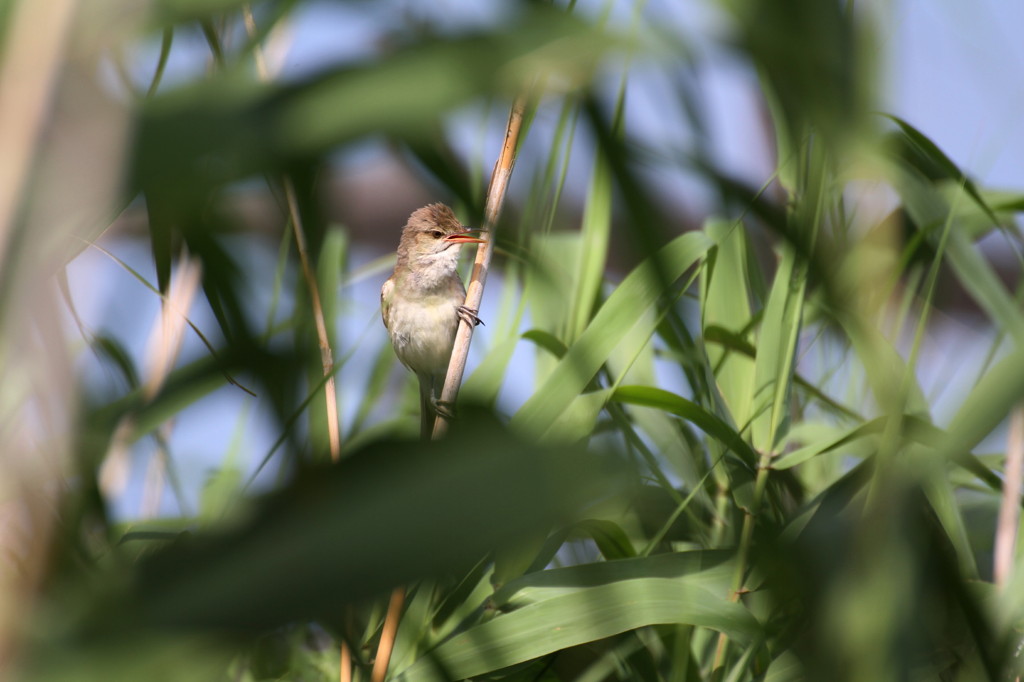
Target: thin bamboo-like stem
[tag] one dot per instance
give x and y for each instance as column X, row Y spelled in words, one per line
column 345, row 669
column 1009, row 508
column 746, row 537
column 475, row 291
column 326, row 354
column 257, row 52
column 387, row 635
column 29, row 70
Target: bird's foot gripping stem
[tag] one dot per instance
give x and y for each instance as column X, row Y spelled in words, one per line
column 469, row 316
column 444, row 408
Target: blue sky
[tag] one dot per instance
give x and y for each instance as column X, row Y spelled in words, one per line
column 954, row 70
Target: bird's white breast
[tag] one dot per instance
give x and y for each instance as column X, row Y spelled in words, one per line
column 423, row 330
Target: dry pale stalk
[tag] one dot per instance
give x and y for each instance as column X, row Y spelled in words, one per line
column 167, row 335
column 49, row 122
column 326, row 355
column 387, row 635
column 1009, row 509
column 162, row 350
column 29, row 66
column 345, row 669
column 496, row 192
column 326, row 360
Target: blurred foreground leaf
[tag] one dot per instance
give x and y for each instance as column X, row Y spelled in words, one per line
column 392, row 513
column 229, row 127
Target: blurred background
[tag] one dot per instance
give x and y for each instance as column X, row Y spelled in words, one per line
column 162, row 360
column 933, row 69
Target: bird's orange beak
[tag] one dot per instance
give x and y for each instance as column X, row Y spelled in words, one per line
column 464, row 238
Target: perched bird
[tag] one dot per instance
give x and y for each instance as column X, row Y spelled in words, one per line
column 422, row 301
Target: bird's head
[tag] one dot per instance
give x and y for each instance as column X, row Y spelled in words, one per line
column 432, row 230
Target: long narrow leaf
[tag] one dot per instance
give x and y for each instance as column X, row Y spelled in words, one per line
column 623, row 309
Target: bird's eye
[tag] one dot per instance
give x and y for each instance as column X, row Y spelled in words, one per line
column 437, row 234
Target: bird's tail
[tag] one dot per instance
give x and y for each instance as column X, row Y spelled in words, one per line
column 427, row 413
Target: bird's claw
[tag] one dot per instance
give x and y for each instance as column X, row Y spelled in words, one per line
column 444, row 408
column 469, row 316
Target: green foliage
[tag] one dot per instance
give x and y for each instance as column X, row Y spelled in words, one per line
column 726, row 468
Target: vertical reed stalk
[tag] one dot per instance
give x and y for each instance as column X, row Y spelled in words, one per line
column 1009, row 508
column 496, row 192
column 326, row 354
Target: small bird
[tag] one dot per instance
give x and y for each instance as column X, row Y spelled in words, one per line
column 422, row 301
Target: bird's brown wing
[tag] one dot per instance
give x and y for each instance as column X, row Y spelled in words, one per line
column 385, row 301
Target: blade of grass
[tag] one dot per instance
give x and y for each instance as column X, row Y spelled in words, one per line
column 582, row 610
column 623, row 309
column 692, row 412
column 725, row 302
column 776, row 352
